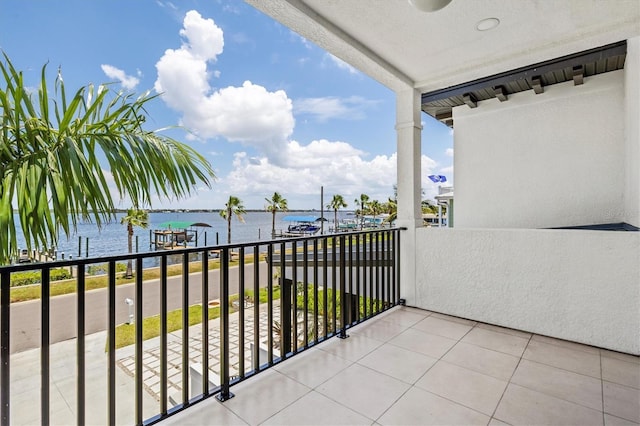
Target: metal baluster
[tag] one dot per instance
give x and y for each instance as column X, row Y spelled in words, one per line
column 224, row 394
column 80, row 345
column 256, row 308
column 205, row 322
column 316, row 332
column 270, row 304
column 163, row 335
column 293, row 296
column 334, row 288
column 361, row 302
column 185, row 328
column 343, row 296
column 377, row 272
column 112, row 343
column 305, row 297
column 45, row 299
column 325, row 298
column 5, row 354
column 139, row 342
column 241, row 312
column 285, row 306
column 372, row 296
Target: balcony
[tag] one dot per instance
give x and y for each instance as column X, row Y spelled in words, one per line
column 356, row 358
column 138, row 351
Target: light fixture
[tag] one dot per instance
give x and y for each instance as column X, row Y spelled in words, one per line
column 429, row 5
column 487, row 24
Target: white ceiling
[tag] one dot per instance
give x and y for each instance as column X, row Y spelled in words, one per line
column 399, row 45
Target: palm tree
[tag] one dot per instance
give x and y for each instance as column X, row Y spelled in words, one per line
column 429, row 206
column 375, row 208
column 362, row 202
column 232, row 207
column 56, row 153
column 276, row 203
column 391, row 208
column 133, row 218
column 337, row 202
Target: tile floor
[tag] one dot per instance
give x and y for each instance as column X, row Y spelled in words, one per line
column 410, row 366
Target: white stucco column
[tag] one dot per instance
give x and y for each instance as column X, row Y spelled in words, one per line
column 632, row 132
column 409, row 129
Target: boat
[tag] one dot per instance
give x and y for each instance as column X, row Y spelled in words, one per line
column 346, row 225
column 302, row 225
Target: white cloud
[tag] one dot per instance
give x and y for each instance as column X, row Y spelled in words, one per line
column 330, row 107
column 449, row 152
column 337, row 166
column 127, row 81
column 341, row 64
column 249, row 114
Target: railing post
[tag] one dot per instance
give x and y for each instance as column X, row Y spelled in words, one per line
column 163, row 335
column 45, row 301
column 112, row 343
column 241, row 289
column 80, row 386
column 256, row 308
column 334, row 289
column 224, row 394
column 343, row 295
column 185, row 328
column 285, row 303
column 139, row 379
column 205, row 322
column 5, row 354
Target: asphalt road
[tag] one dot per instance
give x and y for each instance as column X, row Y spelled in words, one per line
column 26, row 316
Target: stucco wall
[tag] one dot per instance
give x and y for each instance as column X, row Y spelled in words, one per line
column 548, row 160
column 582, row 286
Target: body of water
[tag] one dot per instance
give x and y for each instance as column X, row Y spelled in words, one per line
column 112, row 238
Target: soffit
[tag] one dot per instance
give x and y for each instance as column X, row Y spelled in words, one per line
column 576, row 67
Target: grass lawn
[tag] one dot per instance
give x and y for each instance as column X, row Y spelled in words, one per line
column 31, row 292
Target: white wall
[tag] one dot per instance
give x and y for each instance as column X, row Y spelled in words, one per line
column 632, row 103
column 582, row 286
column 548, row 160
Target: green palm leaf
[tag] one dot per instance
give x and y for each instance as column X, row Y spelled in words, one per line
column 54, row 152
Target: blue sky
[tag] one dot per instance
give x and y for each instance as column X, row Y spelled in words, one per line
column 270, row 110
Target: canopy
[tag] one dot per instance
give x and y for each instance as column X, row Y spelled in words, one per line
column 177, row 224
column 306, row 219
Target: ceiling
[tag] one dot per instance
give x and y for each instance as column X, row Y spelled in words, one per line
column 402, row 47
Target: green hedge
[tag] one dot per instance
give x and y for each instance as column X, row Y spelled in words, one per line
column 34, row 277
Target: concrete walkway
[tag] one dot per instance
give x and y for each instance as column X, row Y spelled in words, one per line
column 25, row 378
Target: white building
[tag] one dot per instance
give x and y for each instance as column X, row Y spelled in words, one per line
column 545, row 102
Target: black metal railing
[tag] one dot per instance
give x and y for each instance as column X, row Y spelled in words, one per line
column 195, row 329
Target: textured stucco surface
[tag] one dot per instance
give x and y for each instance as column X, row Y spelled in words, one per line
column 582, row 286
column 540, row 161
column 632, row 131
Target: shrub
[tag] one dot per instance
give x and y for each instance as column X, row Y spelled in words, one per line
column 34, row 277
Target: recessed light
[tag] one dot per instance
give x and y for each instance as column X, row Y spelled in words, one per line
column 487, row 24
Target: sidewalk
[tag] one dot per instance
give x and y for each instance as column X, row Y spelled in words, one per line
column 25, row 377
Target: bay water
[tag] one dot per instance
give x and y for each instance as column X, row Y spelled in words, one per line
column 111, row 239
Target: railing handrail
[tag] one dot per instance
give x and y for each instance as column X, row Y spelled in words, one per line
column 59, row 263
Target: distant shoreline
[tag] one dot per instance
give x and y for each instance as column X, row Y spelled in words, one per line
column 219, row 210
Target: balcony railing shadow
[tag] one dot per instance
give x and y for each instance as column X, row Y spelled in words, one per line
column 138, row 351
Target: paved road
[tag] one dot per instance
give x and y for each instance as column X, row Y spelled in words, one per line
column 26, row 316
